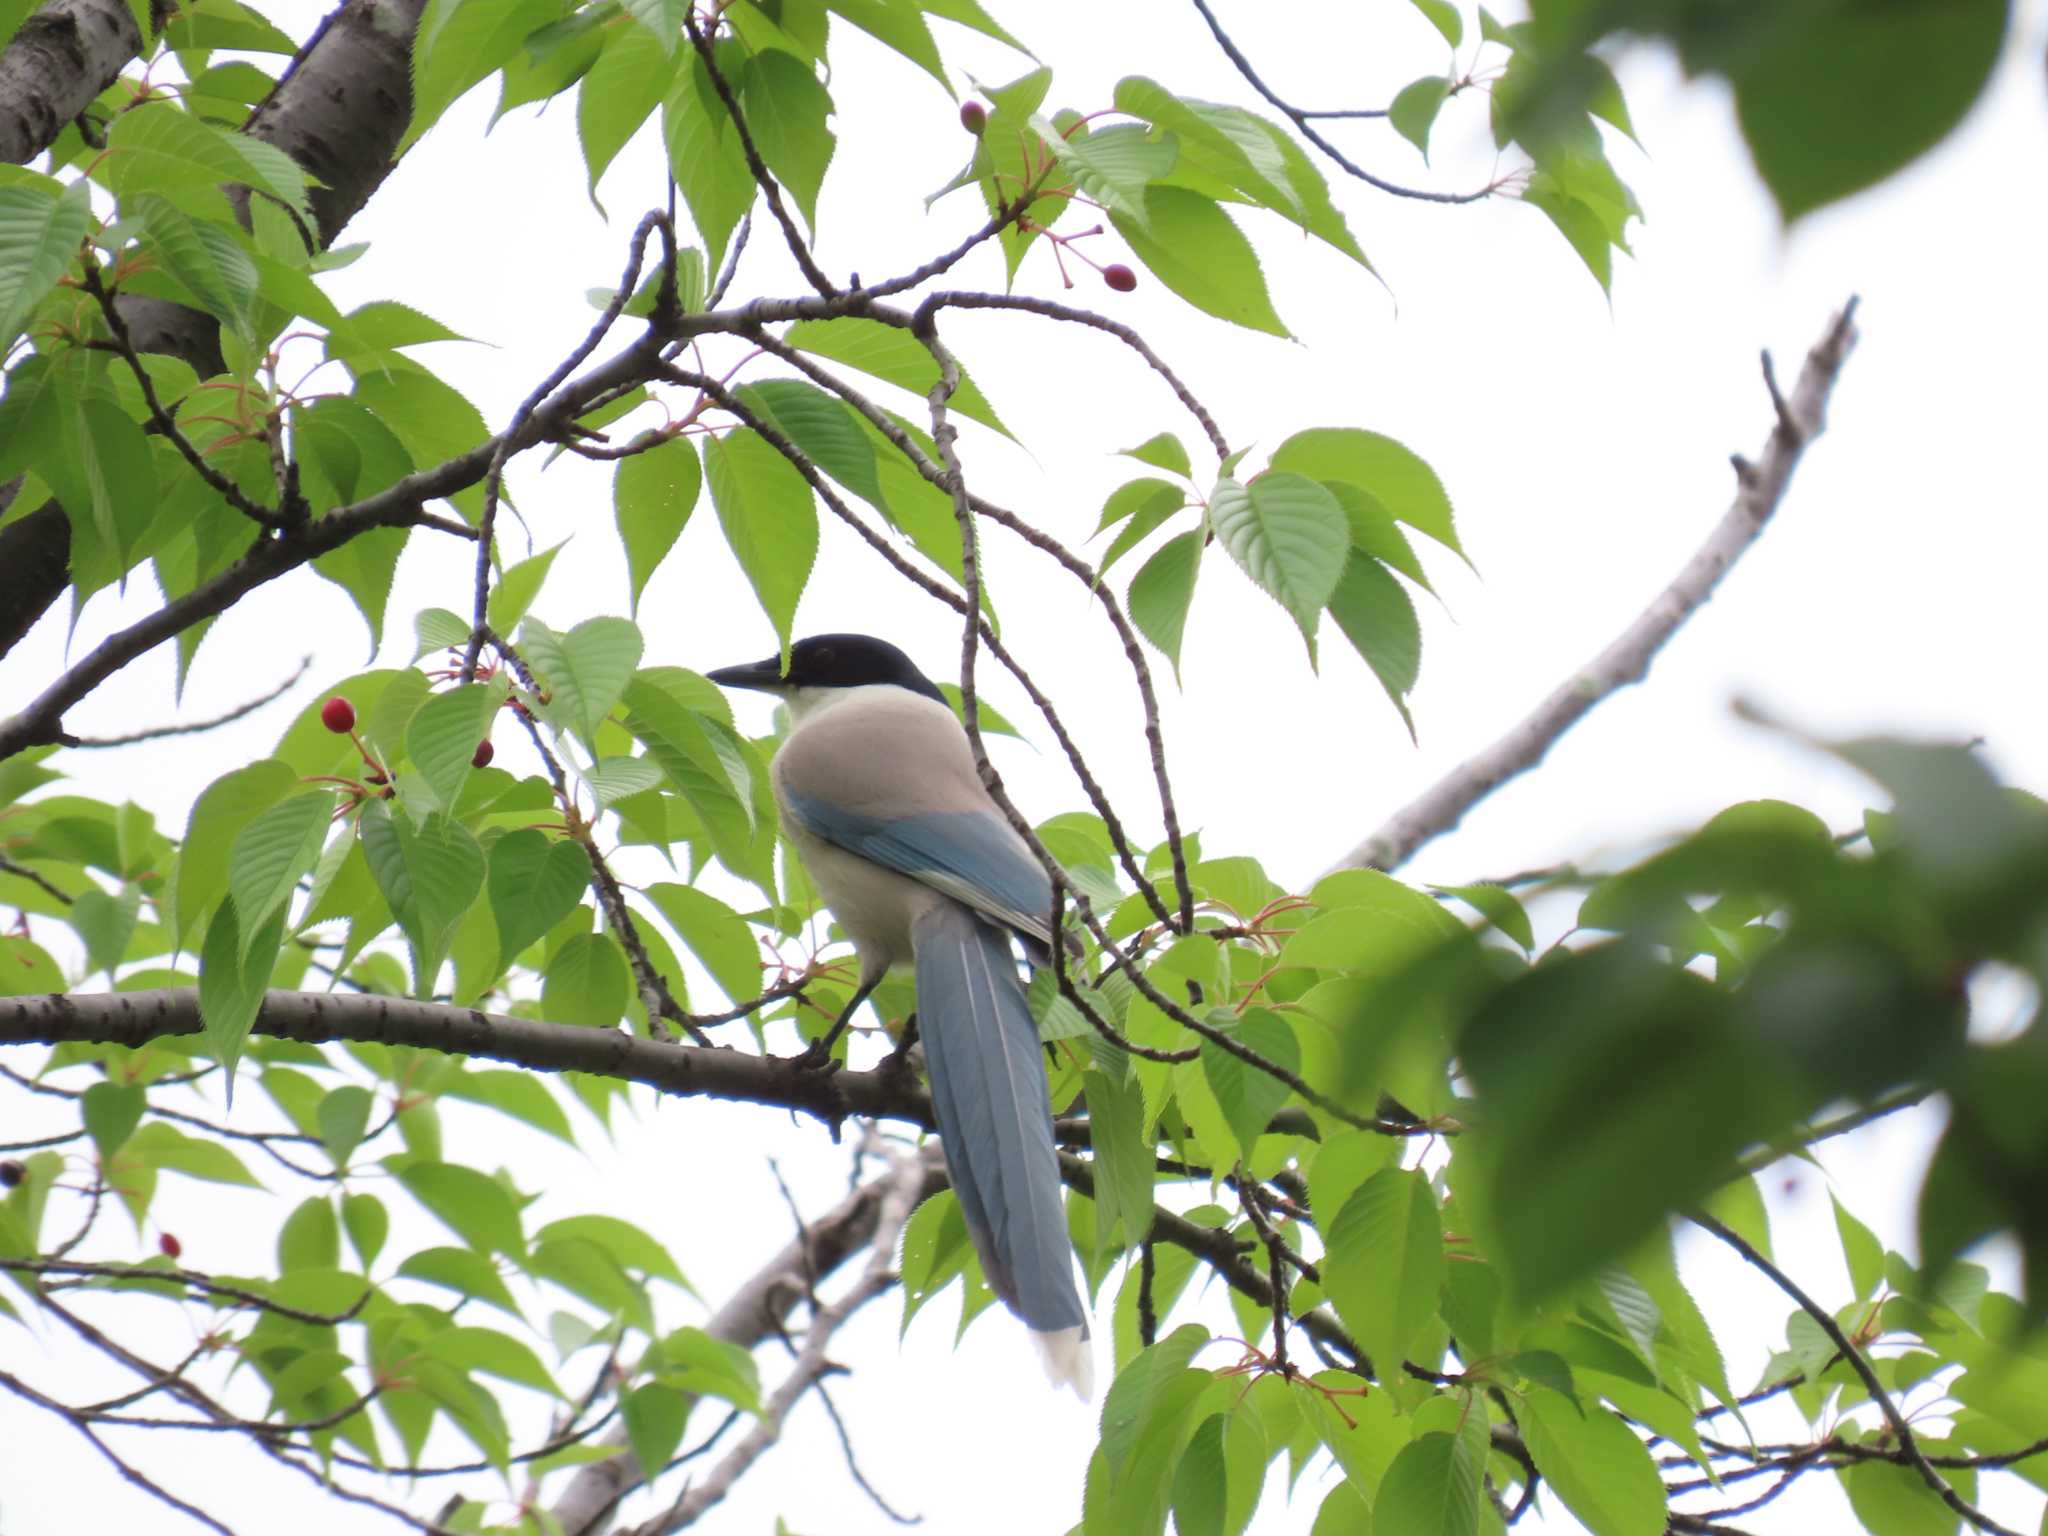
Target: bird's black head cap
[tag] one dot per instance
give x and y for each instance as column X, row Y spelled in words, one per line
column 831, row 661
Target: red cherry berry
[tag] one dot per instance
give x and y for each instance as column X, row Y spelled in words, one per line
column 12, row 1172
column 339, row 716
column 1120, row 277
column 484, row 753
column 973, row 117
column 169, row 1246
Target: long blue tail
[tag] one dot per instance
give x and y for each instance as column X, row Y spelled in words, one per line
column 989, row 1089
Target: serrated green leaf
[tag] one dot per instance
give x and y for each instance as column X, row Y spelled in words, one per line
column 1248, row 1095
column 1113, row 165
column 1289, row 535
column 1378, row 618
column 1163, row 591
column 105, row 923
column 1386, row 1262
column 517, row 588
column 162, row 1145
column 462, row 1271
column 458, row 43
column 535, row 882
column 628, row 1244
column 769, row 518
column 653, row 494
column 716, row 935
column 310, row 1238
column 272, row 854
column 1430, row 1489
column 586, row 668
column 233, row 973
column 901, row 27
column 1400, row 480
column 588, row 983
column 785, row 108
column 893, row 355
column 41, row 227
column 654, row 1416
column 618, row 94
column 205, row 260
column 1123, row 1163
column 1861, row 1251
column 1162, row 451
column 1190, row 244
column 1443, row 15
column 1596, row 1465
column 705, row 158
column 442, row 738
column 428, row 875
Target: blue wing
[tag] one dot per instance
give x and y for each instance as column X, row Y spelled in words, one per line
column 970, row 855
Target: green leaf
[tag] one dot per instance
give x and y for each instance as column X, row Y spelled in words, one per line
column 586, row 668
column 1112, row 165
column 232, row 976
column 367, row 1224
column 588, row 982
column 654, row 1416
column 161, row 1145
column 1444, row 16
column 272, row 854
column 1190, row 244
column 628, row 1244
column 1247, row 1095
column 535, row 882
column 1386, row 1263
column 705, row 158
column 1414, row 108
column 893, row 355
column 158, row 147
column 785, row 108
column 1861, row 1252
column 460, row 1270
column 111, row 1112
column 1290, row 537
column 653, row 494
column 428, row 875
column 1892, row 1500
column 619, row 93
column 717, row 936
column 1835, row 98
column 432, row 419
column 206, row 262
column 769, row 518
column 517, row 588
column 41, row 228
column 827, row 431
column 705, row 763
column 472, row 1205
column 1123, row 1162
column 1401, row 482
column 521, row 1095
column 1431, row 1489
column 1201, row 1482
column 494, row 1354
column 1162, row 451
column 106, row 924
column 439, row 629
column 1497, row 904
column 901, row 27
column 1140, row 506
column 1681, row 1090
column 1379, row 620
column 458, row 42
column 310, row 1238
column 1595, row 1463
column 695, row 1362
column 442, row 738
column 1164, row 590
column 343, row 1117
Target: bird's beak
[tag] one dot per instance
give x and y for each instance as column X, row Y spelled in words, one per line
column 762, row 676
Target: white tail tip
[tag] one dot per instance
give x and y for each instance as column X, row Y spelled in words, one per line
column 1069, row 1362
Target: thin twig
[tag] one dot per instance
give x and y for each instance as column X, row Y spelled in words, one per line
column 1901, row 1430
column 1301, row 120
column 157, row 732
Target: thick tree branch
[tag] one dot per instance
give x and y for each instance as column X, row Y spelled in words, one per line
column 751, row 1315
column 63, row 56
column 1759, row 489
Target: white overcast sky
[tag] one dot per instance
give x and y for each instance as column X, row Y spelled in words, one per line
column 1584, row 443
